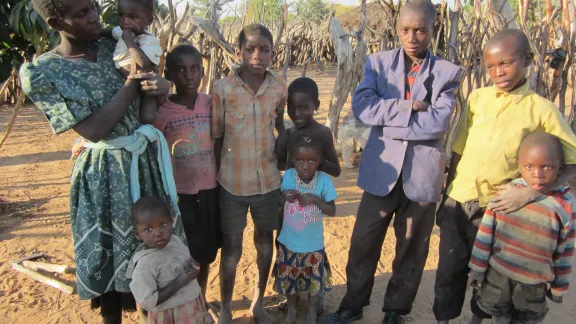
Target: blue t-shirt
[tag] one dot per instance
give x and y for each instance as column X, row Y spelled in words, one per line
column 303, row 230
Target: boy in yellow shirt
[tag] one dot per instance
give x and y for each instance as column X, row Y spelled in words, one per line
column 484, row 161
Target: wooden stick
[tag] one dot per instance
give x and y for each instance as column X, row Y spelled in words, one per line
column 40, row 277
column 58, row 268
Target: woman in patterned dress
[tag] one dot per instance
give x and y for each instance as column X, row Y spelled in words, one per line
column 77, row 86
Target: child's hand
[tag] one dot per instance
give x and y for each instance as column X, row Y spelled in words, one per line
column 308, row 199
column 420, row 106
column 475, row 279
column 128, row 35
column 189, row 274
column 291, row 195
column 554, row 298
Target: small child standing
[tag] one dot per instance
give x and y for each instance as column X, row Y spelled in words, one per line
column 302, row 103
column 162, row 271
column 309, row 195
column 516, row 255
column 185, row 120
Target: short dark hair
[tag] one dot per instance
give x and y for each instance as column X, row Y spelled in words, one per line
column 147, row 4
column 146, row 204
column 426, row 7
column 254, row 29
column 548, row 140
column 178, row 50
column 304, row 85
column 50, row 8
column 518, row 37
column 305, row 138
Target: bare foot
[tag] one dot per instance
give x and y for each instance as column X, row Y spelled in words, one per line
column 476, row 319
column 311, row 318
column 260, row 315
column 291, row 316
column 225, row 317
column 321, row 305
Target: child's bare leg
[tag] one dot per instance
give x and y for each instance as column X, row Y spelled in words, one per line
column 292, row 313
column 476, row 319
column 114, row 318
column 263, row 240
column 142, row 315
column 507, row 319
column 203, row 277
column 313, row 302
column 231, row 253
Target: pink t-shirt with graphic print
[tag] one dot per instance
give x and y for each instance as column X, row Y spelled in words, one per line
column 191, row 146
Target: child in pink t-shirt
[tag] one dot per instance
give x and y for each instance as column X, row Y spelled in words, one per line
column 185, row 119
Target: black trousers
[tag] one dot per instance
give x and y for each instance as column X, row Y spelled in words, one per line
column 413, row 224
column 458, row 224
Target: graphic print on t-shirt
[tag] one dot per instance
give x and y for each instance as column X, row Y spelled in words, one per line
column 298, row 217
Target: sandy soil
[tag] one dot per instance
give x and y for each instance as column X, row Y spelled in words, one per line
column 34, row 184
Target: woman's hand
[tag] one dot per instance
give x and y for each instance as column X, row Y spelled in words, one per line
column 510, row 198
column 151, row 83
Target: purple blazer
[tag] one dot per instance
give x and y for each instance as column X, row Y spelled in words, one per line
column 402, row 141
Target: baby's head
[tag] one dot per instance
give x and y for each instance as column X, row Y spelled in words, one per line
column 184, row 68
column 507, row 55
column 135, row 15
column 152, row 222
column 306, row 153
column 73, row 19
column 540, row 159
column 255, row 48
column 302, row 101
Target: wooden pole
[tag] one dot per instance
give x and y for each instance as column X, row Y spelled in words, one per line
column 43, row 279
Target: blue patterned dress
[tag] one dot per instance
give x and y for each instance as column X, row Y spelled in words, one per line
column 67, row 91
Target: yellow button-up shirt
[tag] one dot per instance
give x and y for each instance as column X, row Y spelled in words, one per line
column 494, row 124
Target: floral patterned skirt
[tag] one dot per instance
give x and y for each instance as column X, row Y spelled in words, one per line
column 301, row 272
column 193, row 312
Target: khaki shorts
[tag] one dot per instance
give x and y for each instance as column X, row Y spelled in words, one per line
column 263, row 208
column 502, row 296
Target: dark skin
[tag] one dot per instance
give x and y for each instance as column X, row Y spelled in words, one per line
column 79, row 28
column 301, row 110
column 539, row 166
column 306, row 161
column 255, row 56
column 186, row 72
column 155, row 229
column 507, row 69
column 415, row 31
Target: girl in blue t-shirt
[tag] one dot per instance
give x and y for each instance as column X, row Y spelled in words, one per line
column 309, row 195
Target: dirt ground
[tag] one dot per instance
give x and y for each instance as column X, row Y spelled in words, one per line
column 34, row 182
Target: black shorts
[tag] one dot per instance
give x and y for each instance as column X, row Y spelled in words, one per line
column 201, row 221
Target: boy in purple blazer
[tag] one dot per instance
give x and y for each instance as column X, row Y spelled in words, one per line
column 407, row 96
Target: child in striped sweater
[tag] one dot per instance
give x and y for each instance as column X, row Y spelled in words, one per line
column 523, row 257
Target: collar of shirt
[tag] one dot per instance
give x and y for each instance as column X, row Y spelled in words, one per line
column 516, row 95
column 267, row 81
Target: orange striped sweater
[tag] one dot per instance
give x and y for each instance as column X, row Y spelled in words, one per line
column 532, row 245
